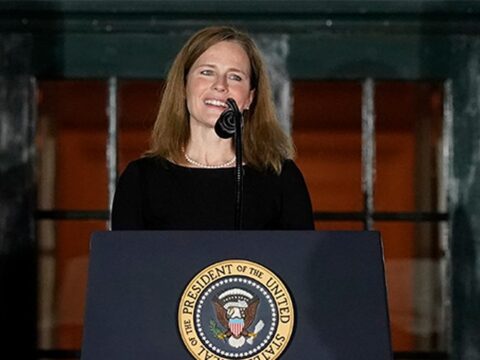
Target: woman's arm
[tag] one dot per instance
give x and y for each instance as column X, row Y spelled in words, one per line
column 297, row 211
column 127, row 211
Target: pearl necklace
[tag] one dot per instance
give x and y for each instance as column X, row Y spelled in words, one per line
column 206, row 166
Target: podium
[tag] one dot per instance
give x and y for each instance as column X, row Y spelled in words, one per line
column 142, row 284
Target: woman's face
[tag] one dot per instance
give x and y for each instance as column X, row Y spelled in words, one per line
column 221, row 72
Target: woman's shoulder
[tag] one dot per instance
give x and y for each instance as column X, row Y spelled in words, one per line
column 291, row 173
column 289, row 164
column 146, row 163
column 145, row 167
column 289, row 167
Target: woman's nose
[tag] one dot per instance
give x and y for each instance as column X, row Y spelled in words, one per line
column 220, row 84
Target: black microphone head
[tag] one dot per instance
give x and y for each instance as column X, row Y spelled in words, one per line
column 225, row 125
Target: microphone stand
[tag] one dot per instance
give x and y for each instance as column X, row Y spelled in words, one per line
column 238, row 172
column 230, row 123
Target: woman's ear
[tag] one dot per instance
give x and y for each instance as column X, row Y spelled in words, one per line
column 251, row 96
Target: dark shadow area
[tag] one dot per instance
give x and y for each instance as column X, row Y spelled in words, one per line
column 17, row 242
column 465, row 285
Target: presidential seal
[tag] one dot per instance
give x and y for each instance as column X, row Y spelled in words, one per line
column 236, row 309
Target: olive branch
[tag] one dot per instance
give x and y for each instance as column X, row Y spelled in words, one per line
column 216, row 331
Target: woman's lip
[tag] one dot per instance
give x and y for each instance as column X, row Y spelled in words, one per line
column 216, row 103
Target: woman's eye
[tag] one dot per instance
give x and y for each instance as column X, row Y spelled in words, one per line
column 206, row 72
column 235, row 77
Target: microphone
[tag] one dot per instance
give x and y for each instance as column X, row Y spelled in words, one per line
column 225, row 125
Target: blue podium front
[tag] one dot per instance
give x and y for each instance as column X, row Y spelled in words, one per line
column 258, row 295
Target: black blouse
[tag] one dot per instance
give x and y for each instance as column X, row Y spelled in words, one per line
column 156, row 194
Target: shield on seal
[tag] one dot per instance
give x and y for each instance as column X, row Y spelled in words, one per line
column 236, row 326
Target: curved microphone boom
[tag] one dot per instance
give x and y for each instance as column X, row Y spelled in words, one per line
column 225, row 125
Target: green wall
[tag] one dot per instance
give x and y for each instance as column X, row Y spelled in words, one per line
column 465, row 202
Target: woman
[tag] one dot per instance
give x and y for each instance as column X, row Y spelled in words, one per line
column 186, row 179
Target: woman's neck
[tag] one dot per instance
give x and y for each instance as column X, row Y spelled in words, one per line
column 205, row 147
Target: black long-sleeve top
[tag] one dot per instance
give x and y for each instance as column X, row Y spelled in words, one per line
column 156, row 194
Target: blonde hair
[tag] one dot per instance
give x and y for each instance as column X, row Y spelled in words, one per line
column 265, row 144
